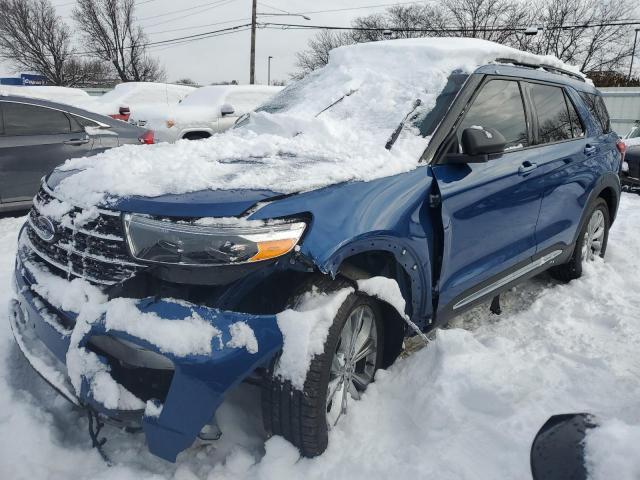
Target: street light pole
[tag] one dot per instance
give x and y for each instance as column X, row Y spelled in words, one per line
column 252, row 66
column 635, row 41
column 269, row 70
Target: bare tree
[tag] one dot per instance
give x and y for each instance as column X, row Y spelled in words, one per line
column 568, row 36
column 34, row 38
column 569, row 32
column 110, row 30
column 316, row 54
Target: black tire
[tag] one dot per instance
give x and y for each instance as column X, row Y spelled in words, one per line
column 301, row 416
column 573, row 268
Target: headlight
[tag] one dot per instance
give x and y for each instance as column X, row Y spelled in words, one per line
column 217, row 244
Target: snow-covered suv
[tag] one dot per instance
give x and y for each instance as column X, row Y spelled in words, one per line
column 403, row 183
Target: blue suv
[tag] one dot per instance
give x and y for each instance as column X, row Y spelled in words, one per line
column 519, row 175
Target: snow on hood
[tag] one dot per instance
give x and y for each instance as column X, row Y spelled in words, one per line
column 287, row 147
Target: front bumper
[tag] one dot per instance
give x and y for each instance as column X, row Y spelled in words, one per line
column 198, row 383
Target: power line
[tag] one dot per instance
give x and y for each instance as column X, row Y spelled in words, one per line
column 198, row 26
column 211, row 7
column 197, row 36
column 363, row 7
column 204, row 6
column 297, row 26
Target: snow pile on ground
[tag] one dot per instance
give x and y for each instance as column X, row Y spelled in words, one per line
column 305, row 330
column 289, row 146
column 466, row 407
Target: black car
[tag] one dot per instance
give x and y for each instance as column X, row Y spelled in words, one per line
column 38, row 135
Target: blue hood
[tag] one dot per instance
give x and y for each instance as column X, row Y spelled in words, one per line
column 205, row 203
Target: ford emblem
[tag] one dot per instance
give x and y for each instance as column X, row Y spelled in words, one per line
column 44, row 228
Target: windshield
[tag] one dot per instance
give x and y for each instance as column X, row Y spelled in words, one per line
column 350, row 104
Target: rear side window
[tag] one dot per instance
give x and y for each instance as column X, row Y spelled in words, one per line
column 557, row 118
column 23, row 119
column 499, row 105
column 598, row 110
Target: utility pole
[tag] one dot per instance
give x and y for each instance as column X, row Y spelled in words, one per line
column 635, row 40
column 269, row 70
column 252, row 66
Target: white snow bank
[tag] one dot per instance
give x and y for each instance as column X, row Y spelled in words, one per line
column 611, row 451
column 305, row 331
column 287, row 147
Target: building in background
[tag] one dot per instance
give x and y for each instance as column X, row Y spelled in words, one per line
column 623, row 104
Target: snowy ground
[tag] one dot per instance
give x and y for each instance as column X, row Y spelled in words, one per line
column 465, row 407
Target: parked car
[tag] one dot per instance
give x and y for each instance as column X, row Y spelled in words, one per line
column 630, row 173
column 38, row 135
column 205, row 111
column 402, row 199
column 127, row 97
column 67, row 95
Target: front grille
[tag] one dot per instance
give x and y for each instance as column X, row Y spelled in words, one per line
column 94, row 250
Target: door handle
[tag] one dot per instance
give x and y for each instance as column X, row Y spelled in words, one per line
column 77, row 141
column 527, row 167
column 589, row 149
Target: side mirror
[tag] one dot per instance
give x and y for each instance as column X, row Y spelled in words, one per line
column 124, row 111
column 557, row 452
column 482, row 141
column 227, row 109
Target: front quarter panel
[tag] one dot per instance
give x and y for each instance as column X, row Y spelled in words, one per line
column 388, row 214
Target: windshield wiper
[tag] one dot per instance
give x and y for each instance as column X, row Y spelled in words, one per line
column 348, row 94
column 396, row 132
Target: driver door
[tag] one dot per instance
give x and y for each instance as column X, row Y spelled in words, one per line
column 489, row 209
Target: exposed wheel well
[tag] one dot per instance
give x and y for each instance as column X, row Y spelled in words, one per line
column 381, row 263
column 609, row 196
column 196, row 135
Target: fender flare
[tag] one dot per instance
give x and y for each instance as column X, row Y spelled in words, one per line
column 608, row 180
column 418, row 271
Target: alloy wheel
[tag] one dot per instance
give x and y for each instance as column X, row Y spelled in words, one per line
column 353, row 363
column 594, row 236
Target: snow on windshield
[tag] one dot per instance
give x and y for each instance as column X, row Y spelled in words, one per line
column 290, row 146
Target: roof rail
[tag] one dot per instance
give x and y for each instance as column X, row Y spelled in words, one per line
column 549, row 68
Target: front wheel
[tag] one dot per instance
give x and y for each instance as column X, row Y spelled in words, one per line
column 591, row 243
column 336, row 378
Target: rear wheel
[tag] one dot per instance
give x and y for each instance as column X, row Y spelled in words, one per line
column 591, row 243
column 336, row 378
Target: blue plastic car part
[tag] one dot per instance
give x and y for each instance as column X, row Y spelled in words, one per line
column 199, row 382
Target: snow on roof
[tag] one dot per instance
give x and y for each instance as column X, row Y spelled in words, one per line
column 136, row 94
column 71, row 96
column 293, row 147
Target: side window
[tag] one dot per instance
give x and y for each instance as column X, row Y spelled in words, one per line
column 554, row 122
column 23, row 119
column 83, row 122
column 598, row 110
column 499, row 105
column 576, row 124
